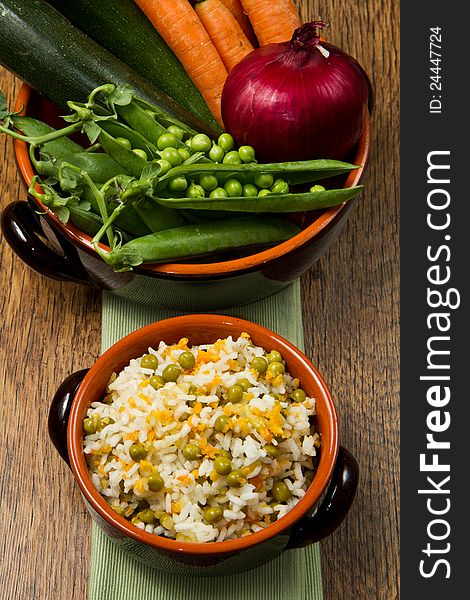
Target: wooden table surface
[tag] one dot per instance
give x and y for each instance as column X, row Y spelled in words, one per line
column 350, row 300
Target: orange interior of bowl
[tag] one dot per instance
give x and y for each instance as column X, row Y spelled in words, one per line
column 202, row 329
column 46, row 111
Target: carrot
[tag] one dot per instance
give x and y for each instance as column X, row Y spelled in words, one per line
column 272, row 21
column 224, row 31
column 182, row 30
column 236, row 8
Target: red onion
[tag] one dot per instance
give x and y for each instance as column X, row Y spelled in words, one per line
column 297, row 100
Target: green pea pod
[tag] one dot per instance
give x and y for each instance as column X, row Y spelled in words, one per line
column 166, row 120
column 197, row 240
column 158, row 218
column 98, row 165
column 140, row 120
column 278, row 203
column 294, row 173
column 34, row 128
column 130, row 162
column 128, row 221
column 117, row 129
column 90, row 223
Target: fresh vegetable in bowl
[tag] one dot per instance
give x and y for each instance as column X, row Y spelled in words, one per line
column 160, row 190
column 307, row 94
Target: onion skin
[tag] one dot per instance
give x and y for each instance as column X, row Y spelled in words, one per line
column 290, row 102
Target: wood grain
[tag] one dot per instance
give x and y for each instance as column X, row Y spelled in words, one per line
column 350, row 300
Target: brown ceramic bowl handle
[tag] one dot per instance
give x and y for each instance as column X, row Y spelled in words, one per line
column 60, row 410
column 334, row 506
column 24, row 234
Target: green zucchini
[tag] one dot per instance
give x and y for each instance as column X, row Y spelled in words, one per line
column 40, row 46
column 123, row 29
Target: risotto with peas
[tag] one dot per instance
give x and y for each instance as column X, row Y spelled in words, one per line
column 202, row 443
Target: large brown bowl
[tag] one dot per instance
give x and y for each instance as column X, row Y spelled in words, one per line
column 336, row 467
column 185, row 286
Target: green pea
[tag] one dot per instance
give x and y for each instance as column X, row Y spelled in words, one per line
column 157, row 382
column 178, row 184
column 208, row 182
column 264, row 180
column 226, row 141
column 280, row 186
column 221, row 423
column 298, row 395
column 119, row 510
column 137, row 452
column 176, row 131
column 140, row 153
column 124, row 141
column 213, row 514
column 172, row 156
column 195, row 191
column 171, row 372
column 187, row 360
column 184, row 153
column 165, row 166
column 155, row 482
column 135, row 520
column 247, row 153
column 235, row 479
column 225, row 454
column 218, row 193
column 250, row 190
column 149, row 361
column 90, row 425
column 167, row 140
column 271, row 450
column 233, row 188
column 245, row 384
column 192, row 452
column 234, row 393
column 102, row 423
column 216, row 153
column 274, row 356
column 147, row 516
column 276, row 368
column 222, row 465
column 263, row 193
column 260, row 364
column 317, row 188
column 232, row 158
column 201, row 143
column 280, row 491
column 166, row 521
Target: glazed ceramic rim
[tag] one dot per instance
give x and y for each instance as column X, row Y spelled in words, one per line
column 226, row 325
column 202, row 269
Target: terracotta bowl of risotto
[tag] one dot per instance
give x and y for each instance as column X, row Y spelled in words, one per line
column 65, row 253
column 205, row 445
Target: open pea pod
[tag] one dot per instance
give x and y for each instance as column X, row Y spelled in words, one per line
column 294, row 173
column 117, row 129
column 166, row 120
column 141, row 121
column 201, row 239
column 130, row 162
column 276, row 203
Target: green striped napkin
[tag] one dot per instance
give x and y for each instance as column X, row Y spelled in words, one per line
column 295, row 574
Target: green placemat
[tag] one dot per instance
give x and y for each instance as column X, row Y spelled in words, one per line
column 295, row 574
